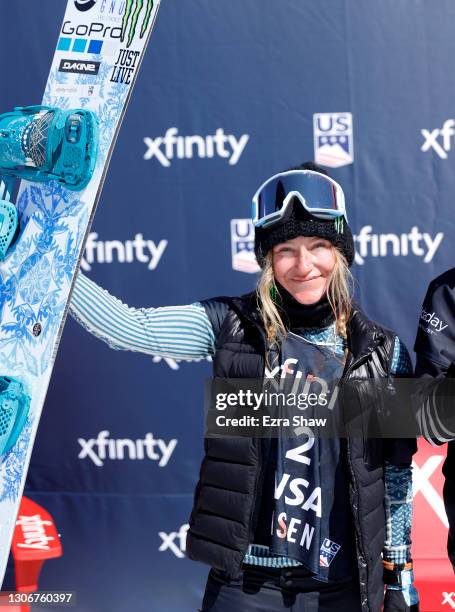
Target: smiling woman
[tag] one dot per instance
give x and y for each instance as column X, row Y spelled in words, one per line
column 303, row 266
column 254, row 520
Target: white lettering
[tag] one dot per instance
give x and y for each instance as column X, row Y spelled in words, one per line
column 101, row 448
column 110, row 251
column 420, row 244
column 171, row 145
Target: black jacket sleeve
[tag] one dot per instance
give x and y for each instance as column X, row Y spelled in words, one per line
column 435, row 349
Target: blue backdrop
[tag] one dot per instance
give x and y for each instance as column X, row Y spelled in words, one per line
column 229, row 93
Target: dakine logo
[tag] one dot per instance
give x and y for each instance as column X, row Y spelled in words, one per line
column 174, row 541
column 333, row 139
column 433, row 320
column 397, row 245
column 102, row 447
column 431, row 139
column 33, row 530
column 79, row 67
column 84, row 5
column 170, row 146
column 448, row 598
column 108, row 251
column 242, row 246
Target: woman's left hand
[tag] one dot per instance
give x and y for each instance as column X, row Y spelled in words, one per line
column 402, row 596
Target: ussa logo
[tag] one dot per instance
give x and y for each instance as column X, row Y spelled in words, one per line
column 242, row 246
column 333, row 140
column 84, row 5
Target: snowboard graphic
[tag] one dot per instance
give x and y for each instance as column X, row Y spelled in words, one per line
column 66, row 145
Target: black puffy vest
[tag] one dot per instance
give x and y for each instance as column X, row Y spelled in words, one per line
column 221, row 522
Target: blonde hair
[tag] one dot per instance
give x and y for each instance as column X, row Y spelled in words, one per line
column 338, row 291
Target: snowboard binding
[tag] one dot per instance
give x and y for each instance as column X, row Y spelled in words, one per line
column 14, row 409
column 9, row 220
column 43, row 143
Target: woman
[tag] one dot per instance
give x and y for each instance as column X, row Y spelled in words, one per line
column 285, row 524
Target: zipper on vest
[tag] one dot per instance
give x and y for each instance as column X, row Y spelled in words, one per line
column 355, row 489
column 259, row 463
column 355, row 493
column 255, row 494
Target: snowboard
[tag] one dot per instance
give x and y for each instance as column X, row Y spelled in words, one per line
column 98, row 55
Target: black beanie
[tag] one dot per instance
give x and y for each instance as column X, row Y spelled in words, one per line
column 299, row 222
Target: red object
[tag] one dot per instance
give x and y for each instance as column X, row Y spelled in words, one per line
column 434, row 575
column 35, row 539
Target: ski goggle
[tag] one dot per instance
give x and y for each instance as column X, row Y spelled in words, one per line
column 320, row 195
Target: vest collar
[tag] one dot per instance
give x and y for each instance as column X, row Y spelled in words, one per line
column 363, row 335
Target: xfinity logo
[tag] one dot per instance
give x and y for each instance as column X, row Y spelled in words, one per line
column 442, row 146
column 79, row 67
column 448, row 598
column 108, row 251
column 171, row 146
column 432, row 319
column 174, row 541
column 34, row 532
column 102, row 447
column 398, row 245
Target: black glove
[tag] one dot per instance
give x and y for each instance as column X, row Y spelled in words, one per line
column 395, row 601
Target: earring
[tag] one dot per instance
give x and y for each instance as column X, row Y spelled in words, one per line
column 273, row 292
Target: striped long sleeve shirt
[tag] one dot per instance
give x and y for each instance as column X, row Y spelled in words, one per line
column 185, row 333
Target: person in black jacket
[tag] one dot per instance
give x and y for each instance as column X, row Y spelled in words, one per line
column 299, row 520
column 435, row 349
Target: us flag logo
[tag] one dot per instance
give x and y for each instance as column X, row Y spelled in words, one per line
column 327, row 553
column 242, row 246
column 333, row 139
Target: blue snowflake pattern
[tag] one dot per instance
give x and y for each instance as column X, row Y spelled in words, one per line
column 13, row 465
